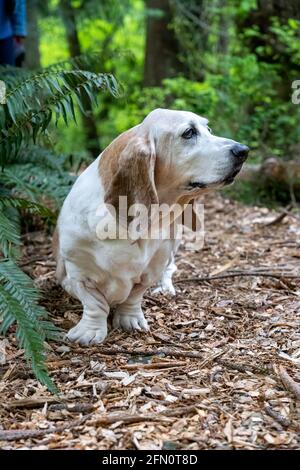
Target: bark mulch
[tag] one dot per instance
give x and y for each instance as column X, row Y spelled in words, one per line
column 220, row 368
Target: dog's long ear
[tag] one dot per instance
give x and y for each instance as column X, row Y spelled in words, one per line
column 128, row 168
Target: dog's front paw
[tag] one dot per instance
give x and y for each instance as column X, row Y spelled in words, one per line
column 86, row 334
column 129, row 322
column 165, row 288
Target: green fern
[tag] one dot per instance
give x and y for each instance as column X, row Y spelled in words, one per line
column 9, row 234
column 32, row 176
column 37, row 182
column 31, row 104
column 30, row 206
column 18, row 296
column 18, row 299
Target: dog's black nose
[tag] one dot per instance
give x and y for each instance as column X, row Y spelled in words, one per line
column 240, row 151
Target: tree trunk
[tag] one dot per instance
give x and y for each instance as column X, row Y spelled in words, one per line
column 223, row 40
column 88, row 120
column 277, row 176
column 32, row 58
column 161, row 55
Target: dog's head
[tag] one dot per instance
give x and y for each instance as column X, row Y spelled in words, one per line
column 169, row 156
column 190, row 156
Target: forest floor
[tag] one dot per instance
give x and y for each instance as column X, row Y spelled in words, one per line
column 220, row 368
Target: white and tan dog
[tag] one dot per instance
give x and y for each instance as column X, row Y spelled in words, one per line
column 171, row 157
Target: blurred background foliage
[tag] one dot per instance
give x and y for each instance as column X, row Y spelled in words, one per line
column 232, row 61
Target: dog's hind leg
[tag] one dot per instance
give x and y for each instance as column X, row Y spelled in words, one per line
column 165, row 285
column 129, row 315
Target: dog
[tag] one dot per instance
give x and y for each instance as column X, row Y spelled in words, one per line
column 172, row 157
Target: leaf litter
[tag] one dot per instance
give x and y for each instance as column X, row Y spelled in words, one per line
column 220, row 368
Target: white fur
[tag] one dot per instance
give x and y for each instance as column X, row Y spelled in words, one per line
column 105, row 273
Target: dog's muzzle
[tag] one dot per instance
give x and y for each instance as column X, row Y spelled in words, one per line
column 240, row 153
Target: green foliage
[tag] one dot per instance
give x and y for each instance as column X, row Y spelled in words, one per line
column 19, row 304
column 40, row 174
column 245, row 96
column 34, row 178
column 10, row 224
column 18, row 296
column 258, row 193
column 112, row 33
column 32, row 102
column 245, row 92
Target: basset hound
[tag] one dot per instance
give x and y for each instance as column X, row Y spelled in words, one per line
column 172, row 157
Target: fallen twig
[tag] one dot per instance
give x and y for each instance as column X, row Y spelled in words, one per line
column 18, row 434
column 279, row 217
column 242, row 367
column 155, row 299
column 190, row 354
column 212, row 357
column 152, row 352
column 31, row 402
column 277, row 416
column 31, row 261
column 288, row 382
column 154, row 365
column 274, row 275
column 73, row 407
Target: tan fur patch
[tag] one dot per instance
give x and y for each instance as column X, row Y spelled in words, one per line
column 127, row 168
column 109, row 161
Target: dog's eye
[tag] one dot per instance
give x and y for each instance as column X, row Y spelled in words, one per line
column 209, row 130
column 189, row 133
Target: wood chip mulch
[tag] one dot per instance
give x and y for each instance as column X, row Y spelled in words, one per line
column 220, row 368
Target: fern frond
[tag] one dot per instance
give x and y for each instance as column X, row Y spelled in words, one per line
column 16, row 182
column 30, row 105
column 18, row 304
column 13, row 75
column 19, row 286
column 30, row 206
column 34, row 100
column 9, row 235
column 37, row 182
